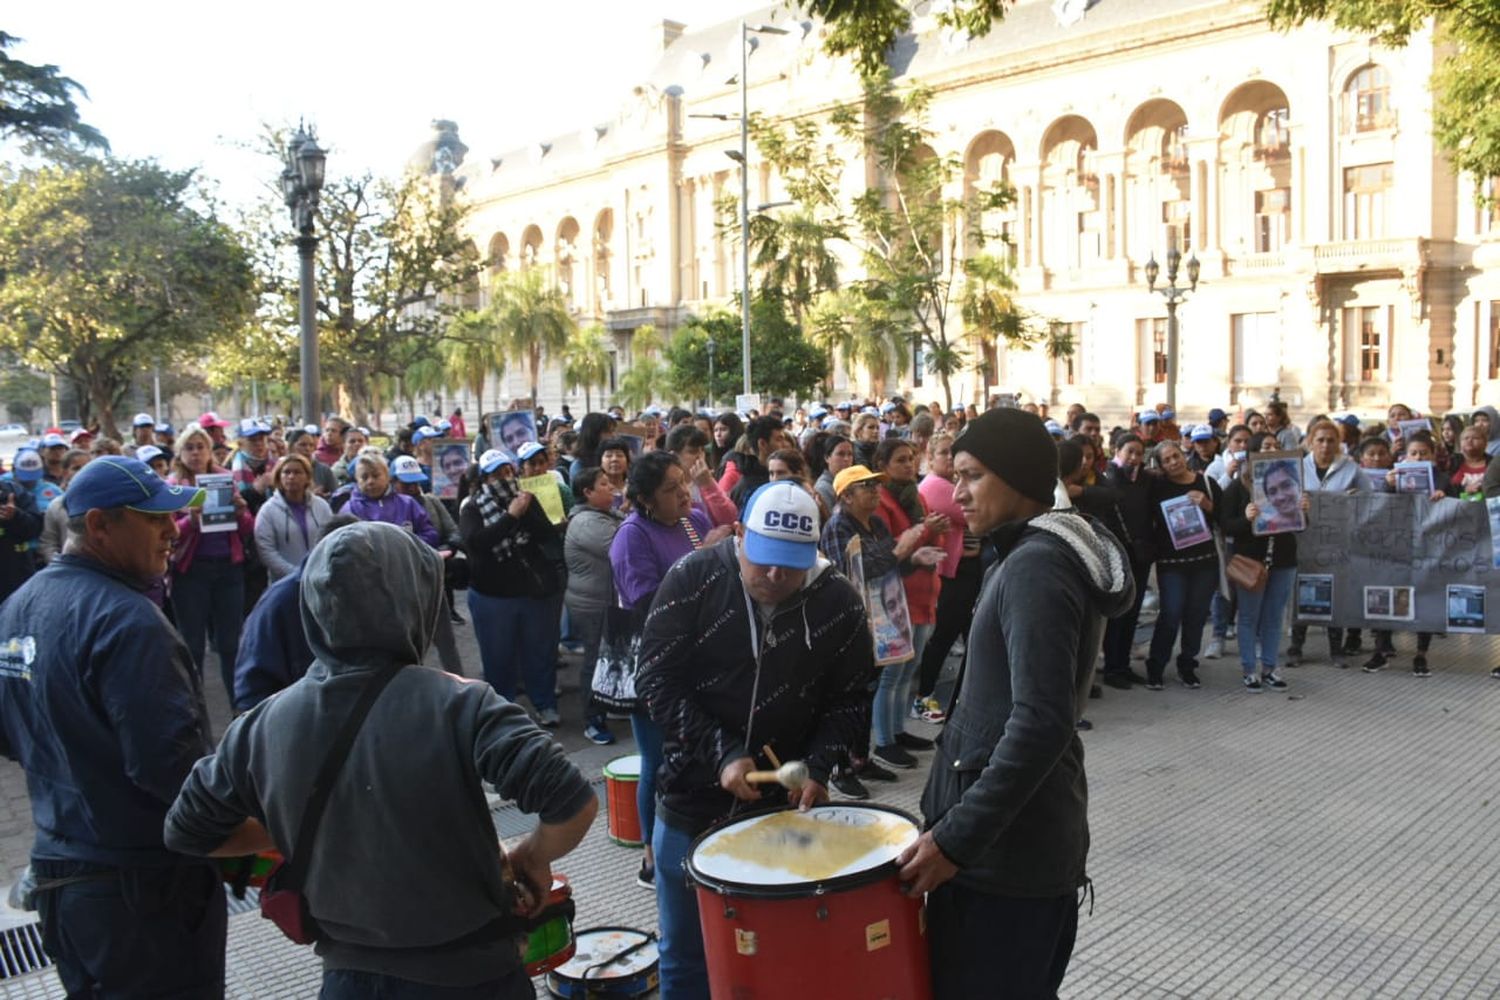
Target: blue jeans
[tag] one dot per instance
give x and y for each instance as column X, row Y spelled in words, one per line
column 351, row 984
column 1183, row 599
column 518, row 641
column 1261, row 618
column 211, row 590
column 1221, row 612
column 684, row 970
column 893, row 692
column 648, row 742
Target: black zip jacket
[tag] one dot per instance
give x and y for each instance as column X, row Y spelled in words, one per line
column 1276, row 551
column 697, row 675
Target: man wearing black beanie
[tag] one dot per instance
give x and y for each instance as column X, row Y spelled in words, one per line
column 1006, row 805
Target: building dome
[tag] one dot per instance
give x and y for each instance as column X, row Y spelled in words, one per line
column 443, row 151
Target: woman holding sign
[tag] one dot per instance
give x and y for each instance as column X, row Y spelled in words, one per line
column 1187, row 566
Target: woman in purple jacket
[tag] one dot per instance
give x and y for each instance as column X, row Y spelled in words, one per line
column 374, row 500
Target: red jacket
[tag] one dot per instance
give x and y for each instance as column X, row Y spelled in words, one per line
column 923, row 583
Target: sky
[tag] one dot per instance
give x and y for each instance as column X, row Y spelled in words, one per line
column 191, row 84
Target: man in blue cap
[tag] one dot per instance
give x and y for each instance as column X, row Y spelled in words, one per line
column 758, row 617
column 20, row 520
column 101, row 705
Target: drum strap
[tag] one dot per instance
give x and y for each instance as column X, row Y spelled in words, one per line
column 650, row 938
column 760, row 638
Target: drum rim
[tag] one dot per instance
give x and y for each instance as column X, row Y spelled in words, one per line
column 792, row 890
column 614, row 982
column 623, row 777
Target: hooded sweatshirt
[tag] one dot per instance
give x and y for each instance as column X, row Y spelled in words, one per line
column 1493, row 448
column 1006, row 799
column 406, row 862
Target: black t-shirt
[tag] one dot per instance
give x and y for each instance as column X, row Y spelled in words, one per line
column 1168, row 556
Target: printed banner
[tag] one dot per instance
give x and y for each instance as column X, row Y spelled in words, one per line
column 1396, row 560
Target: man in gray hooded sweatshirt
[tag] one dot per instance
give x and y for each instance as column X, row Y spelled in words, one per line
column 1006, row 802
column 405, row 878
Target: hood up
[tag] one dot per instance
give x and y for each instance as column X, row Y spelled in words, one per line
column 1494, row 443
column 1100, row 554
column 371, row 595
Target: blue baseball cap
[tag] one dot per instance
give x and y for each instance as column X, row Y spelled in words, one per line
column 408, row 470
column 781, row 526
column 1168, row 413
column 425, row 433
column 112, row 481
column 166, row 429
column 1150, row 417
column 493, row 459
column 28, row 466
column 421, row 422
column 1203, row 432
column 529, row 449
column 1349, row 420
column 1215, row 415
column 250, row 427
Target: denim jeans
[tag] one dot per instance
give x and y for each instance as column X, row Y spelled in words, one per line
column 1261, row 618
column 211, row 590
column 1184, row 596
column 648, row 742
column 1221, row 612
column 893, row 693
column 684, row 970
column 985, row 945
column 351, row 984
column 518, row 641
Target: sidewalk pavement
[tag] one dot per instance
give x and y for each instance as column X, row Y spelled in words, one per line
column 1332, row 840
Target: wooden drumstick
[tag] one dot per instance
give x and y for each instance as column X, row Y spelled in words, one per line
column 771, row 755
column 792, row 774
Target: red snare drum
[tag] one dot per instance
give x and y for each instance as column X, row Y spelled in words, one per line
column 811, row 899
column 250, row 870
column 549, row 936
column 622, row 776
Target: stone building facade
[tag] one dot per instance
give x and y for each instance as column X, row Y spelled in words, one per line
column 1343, row 262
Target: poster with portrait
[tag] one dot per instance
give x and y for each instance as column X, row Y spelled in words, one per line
column 1315, row 597
column 1416, row 425
column 1414, row 477
column 218, row 502
column 511, row 429
column 1466, row 608
column 1185, row 522
column 1395, row 604
column 450, row 460
column 1276, row 490
column 885, row 603
column 1378, row 480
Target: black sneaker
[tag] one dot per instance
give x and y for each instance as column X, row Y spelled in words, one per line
column 646, row 877
column 1252, row 683
column 1153, row 682
column 1121, row 679
column 1353, row 644
column 1495, row 673
column 1189, row 678
column 895, row 755
column 1293, row 656
column 1096, row 692
column 456, row 618
column 1374, row 663
column 1083, row 725
column 847, row 785
column 1419, row 667
column 872, row 771
column 1273, row 680
column 913, row 742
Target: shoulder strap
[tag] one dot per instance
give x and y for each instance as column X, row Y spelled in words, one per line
column 322, row 789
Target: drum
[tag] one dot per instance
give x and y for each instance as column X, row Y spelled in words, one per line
column 810, row 898
column 250, row 870
column 549, row 937
column 622, row 776
column 608, row 962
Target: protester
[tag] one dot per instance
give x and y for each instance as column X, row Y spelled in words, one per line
column 301, row 441
column 1418, row 447
column 590, row 591
column 838, row 455
column 291, row 522
column 758, row 617
column 1004, row 852
column 516, row 582
column 105, row 713
column 356, row 439
column 746, row 470
column 445, row 918
column 593, row 431
column 408, row 479
column 866, row 437
column 252, row 463
column 374, row 499
column 20, row 524
column 1325, row 469
column 332, row 445
column 614, row 459
column 728, row 428
column 1187, row 577
column 1466, row 480
column 690, row 445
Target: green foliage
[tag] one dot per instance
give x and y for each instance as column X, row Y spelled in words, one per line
column 471, row 349
column 866, row 29
column 36, row 106
column 785, row 363
column 1466, row 84
column 586, row 361
column 23, row 391
column 111, row 267
column 532, row 317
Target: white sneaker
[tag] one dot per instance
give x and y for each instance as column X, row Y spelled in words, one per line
column 1215, row 649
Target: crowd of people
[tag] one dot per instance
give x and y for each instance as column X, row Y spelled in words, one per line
column 702, row 557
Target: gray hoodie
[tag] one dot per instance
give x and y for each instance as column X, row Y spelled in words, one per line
column 407, row 858
column 1006, row 799
column 1493, row 447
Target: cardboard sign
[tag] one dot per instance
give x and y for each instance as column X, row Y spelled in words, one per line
column 218, row 503
column 745, row 402
column 548, row 493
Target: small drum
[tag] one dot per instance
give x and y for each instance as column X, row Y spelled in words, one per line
column 549, row 938
column 812, row 899
column 622, row 776
column 609, row 962
column 250, row 870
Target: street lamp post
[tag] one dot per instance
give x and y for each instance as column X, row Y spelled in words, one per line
column 301, row 180
column 712, row 347
column 1174, row 294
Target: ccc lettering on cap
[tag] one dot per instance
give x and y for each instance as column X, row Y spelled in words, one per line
column 789, row 520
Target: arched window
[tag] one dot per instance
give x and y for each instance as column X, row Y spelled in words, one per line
column 1367, row 100
column 1273, row 134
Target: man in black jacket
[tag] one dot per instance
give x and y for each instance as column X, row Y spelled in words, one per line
column 1006, row 803
column 806, row 660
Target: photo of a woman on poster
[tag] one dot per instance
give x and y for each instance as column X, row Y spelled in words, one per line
column 1279, row 503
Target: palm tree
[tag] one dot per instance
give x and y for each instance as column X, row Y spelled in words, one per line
column 586, row 361
column 869, row 333
column 471, row 350
column 533, row 319
column 794, row 257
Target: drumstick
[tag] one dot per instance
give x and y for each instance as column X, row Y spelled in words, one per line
column 792, row 774
column 771, row 755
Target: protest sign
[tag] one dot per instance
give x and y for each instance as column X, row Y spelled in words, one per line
column 548, row 493
column 1276, row 489
column 511, row 429
column 450, row 462
column 885, row 604
column 218, row 502
column 747, row 402
column 1394, row 556
column 1185, row 522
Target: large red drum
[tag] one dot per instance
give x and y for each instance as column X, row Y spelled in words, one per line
column 809, row 904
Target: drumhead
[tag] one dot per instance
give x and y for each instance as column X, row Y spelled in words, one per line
column 599, row 946
column 791, row 853
column 627, row 768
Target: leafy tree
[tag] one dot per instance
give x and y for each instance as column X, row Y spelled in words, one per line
column 23, row 391
column 36, row 106
column 111, row 267
column 1466, row 83
column 472, row 348
column 586, row 361
column 532, row 317
column 647, row 375
column 866, row 29
column 786, row 362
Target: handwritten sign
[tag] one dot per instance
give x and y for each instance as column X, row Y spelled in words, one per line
column 548, row 493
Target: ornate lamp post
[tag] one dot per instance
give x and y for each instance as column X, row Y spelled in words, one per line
column 1174, row 294
column 301, row 180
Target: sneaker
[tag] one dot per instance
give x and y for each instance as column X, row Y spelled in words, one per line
column 1340, row 661
column 1096, row 692
column 847, row 785
column 928, row 709
column 1189, row 678
column 872, row 771
column 1294, row 656
column 1154, row 684
column 646, row 877
column 1419, row 667
column 548, row 717
column 1083, row 725
column 1215, row 649
column 1273, row 680
column 456, row 618
column 1230, row 632
column 913, row 742
column 1495, row 673
column 598, row 732
column 1121, row 679
column 895, row 756
column 1374, row 663
column 1353, row 644
column 1252, row 683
